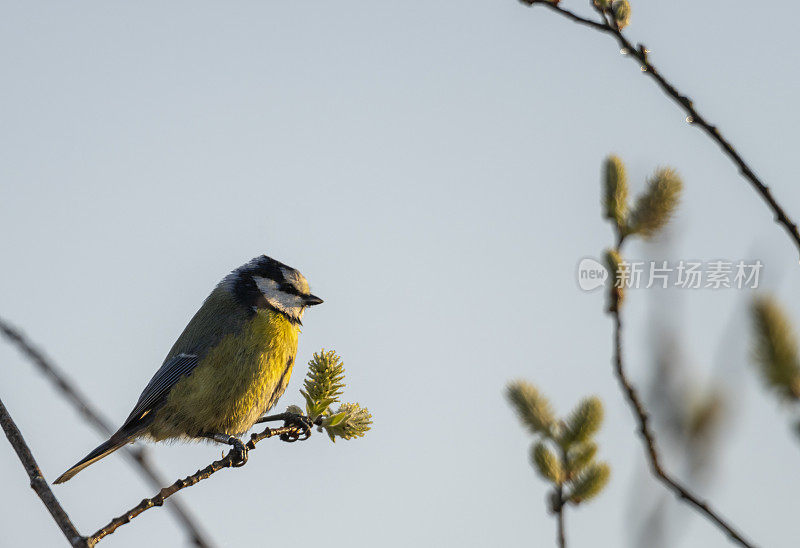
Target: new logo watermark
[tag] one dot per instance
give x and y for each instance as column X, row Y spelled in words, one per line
column 716, row 274
column 591, row 274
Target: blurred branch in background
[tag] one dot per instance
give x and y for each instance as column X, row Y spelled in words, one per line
column 613, row 18
column 775, row 353
column 690, row 417
column 137, row 455
column 38, row 483
column 650, row 213
column 565, row 450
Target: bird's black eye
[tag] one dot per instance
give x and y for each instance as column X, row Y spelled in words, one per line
column 289, row 288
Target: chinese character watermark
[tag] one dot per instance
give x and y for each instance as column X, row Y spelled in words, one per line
column 714, row 275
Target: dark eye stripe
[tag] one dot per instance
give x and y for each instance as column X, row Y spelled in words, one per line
column 288, row 288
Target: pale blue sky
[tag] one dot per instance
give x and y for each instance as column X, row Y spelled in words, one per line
column 432, row 168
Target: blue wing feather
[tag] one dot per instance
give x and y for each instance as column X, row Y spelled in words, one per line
column 157, row 390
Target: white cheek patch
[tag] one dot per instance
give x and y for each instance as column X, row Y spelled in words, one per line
column 289, row 304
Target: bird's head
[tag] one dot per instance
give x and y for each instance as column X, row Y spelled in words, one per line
column 267, row 283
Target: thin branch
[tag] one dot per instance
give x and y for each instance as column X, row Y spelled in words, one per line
column 559, row 503
column 38, row 483
column 648, row 437
column 568, row 14
column 289, row 433
column 640, row 55
column 561, row 537
column 81, row 403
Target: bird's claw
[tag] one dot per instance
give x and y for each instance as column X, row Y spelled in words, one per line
column 301, row 421
column 302, row 425
column 238, row 453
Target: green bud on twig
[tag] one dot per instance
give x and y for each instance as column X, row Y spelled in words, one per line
column 614, row 264
column 322, row 387
column 622, row 13
column 655, row 206
column 705, row 415
column 589, row 483
column 618, row 278
column 532, row 408
column 563, row 453
column 615, row 191
column 775, row 348
column 546, row 463
column 583, row 422
column 580, row 456
column 323, row 384
column 350, row 421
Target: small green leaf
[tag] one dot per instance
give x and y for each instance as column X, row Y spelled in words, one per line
column 333, row 420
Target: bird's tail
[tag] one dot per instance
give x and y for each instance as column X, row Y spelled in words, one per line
column 103, row 450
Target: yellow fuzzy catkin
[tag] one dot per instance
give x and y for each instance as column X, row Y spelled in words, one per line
column 590, row 482
column 533, row 408
column 656, row 205
column 615, row 191
column 775, row 348
column 622, row 13
column 546, row 463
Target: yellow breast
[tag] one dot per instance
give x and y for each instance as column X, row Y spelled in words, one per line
column 237, row 381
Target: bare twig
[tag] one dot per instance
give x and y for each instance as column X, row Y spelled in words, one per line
column 289, row 433
column 81, row 403
column 559, row 503
column 640, row 55
column 559, row 510
column 648, row 438
column 38, row 483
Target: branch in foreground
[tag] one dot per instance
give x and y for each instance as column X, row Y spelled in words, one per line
column 73, row 395
column 288, row 433
column 38, row 482
column 322, row 388
column 640, row 54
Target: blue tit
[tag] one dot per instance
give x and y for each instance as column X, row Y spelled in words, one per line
column 229, row 366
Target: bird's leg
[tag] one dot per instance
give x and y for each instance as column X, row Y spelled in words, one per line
column 238, row 448
column 301, row 422
column 274, row 418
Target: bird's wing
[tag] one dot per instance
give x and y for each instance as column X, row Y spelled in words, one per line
column 157, row 390
column 153, row 396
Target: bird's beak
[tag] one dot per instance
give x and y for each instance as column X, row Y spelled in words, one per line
column 311, row 300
